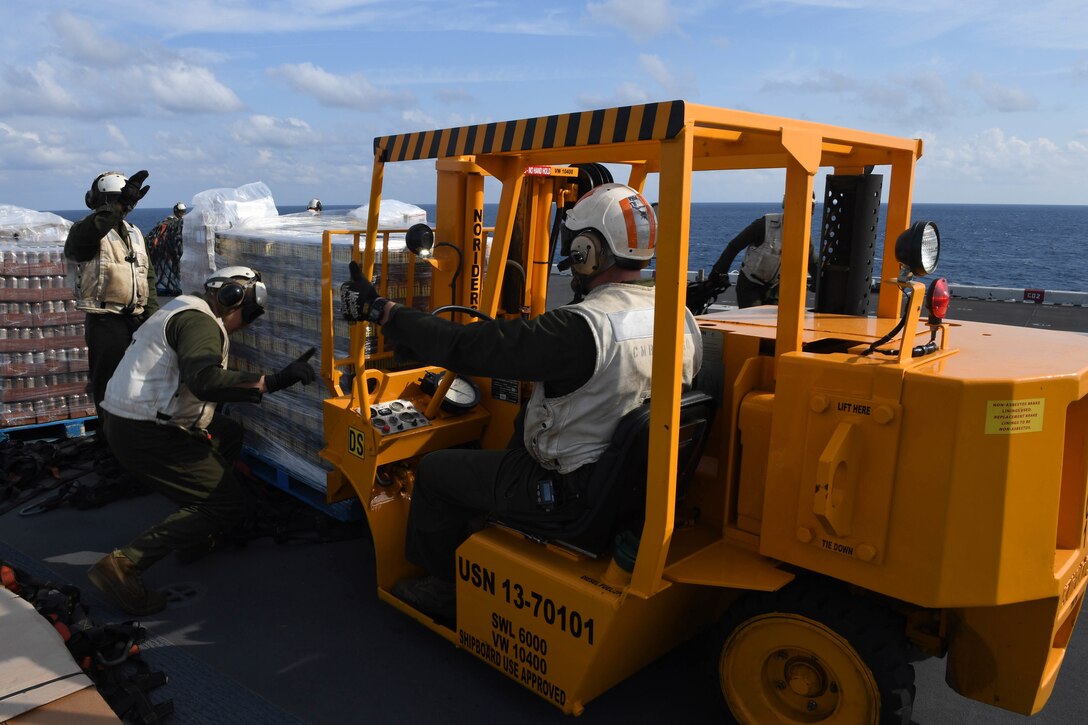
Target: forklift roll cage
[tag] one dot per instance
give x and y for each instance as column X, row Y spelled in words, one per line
column 673, row 139
column 949, row 489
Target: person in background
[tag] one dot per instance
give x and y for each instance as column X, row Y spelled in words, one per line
column 761, row 242
column 164, row 245
column 113, row 280
column 162, row 425
column 314, row 207
column 590, row 363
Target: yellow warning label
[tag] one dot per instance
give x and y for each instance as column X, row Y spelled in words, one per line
column 356, row 442
column 1005, row 417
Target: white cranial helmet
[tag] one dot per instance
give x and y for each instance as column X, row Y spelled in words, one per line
column 104, row 187
column 110, row 182
column 622, row 217
column 238, row 286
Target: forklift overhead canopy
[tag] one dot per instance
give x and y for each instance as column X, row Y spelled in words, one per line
column 750, row 140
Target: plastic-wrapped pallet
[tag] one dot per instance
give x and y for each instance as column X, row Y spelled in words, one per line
column 43, row 354
column 286, row 428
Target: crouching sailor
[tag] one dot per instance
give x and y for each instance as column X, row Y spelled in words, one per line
column 161, row 423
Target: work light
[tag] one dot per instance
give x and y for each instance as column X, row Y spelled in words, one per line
column 918, row 248
column 419, row 239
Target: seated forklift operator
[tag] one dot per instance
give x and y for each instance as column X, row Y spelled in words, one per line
column 591, row 363
column 161, row 423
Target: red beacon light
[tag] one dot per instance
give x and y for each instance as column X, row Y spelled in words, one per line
column 937, row 298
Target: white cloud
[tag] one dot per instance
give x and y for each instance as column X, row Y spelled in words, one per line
column 116, row 134
column 95, row 76
column 642, row 91
column 183, row 88
column 993, row 153
column 82, row 42
column 625, row 94
column 641, row 19
column 1055, row 24
column 34, row 90
column 26, row 150
column 340, row 91
column 260, row 130
column 455, row 95
column 1001, row 98
column 906, row 99
column 418, row 119
column 666, row 77
column 182, row 17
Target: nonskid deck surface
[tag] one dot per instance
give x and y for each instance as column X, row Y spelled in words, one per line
column 289, row 633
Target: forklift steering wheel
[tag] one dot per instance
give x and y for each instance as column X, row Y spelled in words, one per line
column 467, row 397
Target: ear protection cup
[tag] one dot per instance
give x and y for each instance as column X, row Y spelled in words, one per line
column 588, row 254
column 230, row 295
column 234, row 287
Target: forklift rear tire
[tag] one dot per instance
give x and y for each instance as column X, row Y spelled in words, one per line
column 813, row 653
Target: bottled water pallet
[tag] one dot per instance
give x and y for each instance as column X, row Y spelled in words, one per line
column 309, row 493
column 70, row 428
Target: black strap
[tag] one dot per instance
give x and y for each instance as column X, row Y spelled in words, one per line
column 107, row 653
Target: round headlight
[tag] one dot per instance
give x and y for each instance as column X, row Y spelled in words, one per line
column 919, row 248
column 419, row 239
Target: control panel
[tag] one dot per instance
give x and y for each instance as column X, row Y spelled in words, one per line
column 396, row 416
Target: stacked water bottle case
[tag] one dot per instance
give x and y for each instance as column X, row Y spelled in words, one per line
column 43, row 355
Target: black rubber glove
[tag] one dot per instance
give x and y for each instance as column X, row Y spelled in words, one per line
column 298, row 371
column 359, row 300
column 132, row 193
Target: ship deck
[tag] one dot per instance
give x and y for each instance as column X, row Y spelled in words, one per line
column 292, row 633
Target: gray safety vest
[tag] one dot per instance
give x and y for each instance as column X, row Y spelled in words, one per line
column 762, row 263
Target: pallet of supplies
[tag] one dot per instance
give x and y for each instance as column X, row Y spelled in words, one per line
column 43, row 355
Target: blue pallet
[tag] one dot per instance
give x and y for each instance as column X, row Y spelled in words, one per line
column 70, row 428
column 307, row 492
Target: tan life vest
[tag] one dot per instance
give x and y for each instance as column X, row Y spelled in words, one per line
column 115, row 279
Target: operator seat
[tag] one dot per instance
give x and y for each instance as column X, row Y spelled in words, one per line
column 617, row 489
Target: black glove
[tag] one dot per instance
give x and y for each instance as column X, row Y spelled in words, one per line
column 132, row 193
column 298, row 371
column 359, row 300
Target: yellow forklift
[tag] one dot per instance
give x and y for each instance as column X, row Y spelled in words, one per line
column 840, row 494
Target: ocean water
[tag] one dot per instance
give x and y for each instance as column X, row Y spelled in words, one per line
column 992, row 245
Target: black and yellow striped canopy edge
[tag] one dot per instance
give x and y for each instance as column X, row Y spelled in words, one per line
column 646, row 122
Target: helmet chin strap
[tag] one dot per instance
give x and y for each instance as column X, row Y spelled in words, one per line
column 577, row 286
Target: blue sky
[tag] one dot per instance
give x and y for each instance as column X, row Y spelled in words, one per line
column 219, row 93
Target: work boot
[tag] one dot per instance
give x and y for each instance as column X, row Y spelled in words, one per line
column 431, row 596
column 118, row 577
